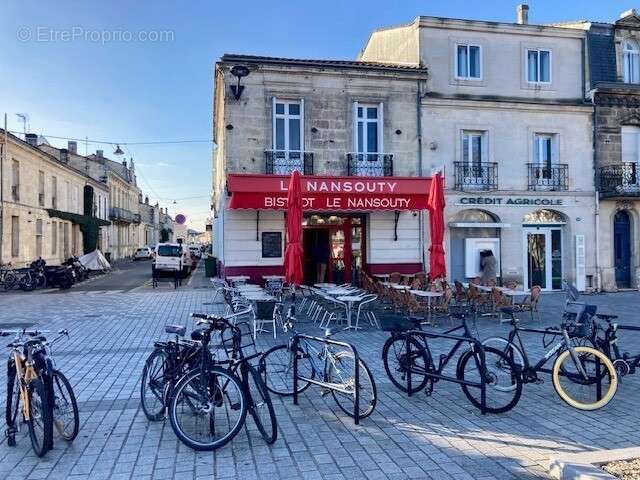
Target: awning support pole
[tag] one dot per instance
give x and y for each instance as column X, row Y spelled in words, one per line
column 395, row 225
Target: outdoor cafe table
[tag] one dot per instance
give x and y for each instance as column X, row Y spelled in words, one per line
column 325, row 285
column 273, row 277
column 238, row 278
column 382, row 276
column 255, row 296
column 428, row 296
column 350, row 300
column 248, row 286
column 400, row 287
column 338, row 291
column 512, row 294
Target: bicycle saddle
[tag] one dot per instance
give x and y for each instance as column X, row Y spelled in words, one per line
column 197, row 334
column 179, row 330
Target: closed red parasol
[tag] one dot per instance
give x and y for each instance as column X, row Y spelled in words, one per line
column 435, row 205
column 293, row 253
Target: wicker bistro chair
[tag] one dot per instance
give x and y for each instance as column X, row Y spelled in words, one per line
column 499, row 300
column 530, row 302
column 461, row 296
column 480, row 303
column 511, row 284
column 366, row 308
column 395, row 277
column 442, row 308
column 416, row 309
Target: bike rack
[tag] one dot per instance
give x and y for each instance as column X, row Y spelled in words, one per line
column 327, row 341
column 447, row 335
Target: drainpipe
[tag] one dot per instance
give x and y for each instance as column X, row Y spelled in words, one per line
column 421, row 223
column 5, row 147
column 597, row 193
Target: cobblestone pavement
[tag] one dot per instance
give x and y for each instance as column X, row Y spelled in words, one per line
column 441, row 437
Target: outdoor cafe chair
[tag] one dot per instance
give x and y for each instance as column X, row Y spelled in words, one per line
column 395, row 277
column 530, row 302
column 461, row 294
column 264, row 313
column 366, row 308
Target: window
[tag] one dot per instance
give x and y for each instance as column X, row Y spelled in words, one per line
column 473, row 147
column 544, row 150
column 539, row 66
column 41, row 188
column 39, row 238
column 15, row 181
column 54, row 193
column 15, row 236
column 631, row 62
column 169, row 251
column 468, row 62
column 54, row 238
column 368, row 131
column 288, row 125
column 67, row 189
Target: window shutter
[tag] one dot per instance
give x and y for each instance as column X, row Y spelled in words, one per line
column 381, row 127
column 273, row 123
column 580, row 263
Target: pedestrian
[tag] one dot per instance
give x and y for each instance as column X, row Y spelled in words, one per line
column 320, row 255
column 488, row 265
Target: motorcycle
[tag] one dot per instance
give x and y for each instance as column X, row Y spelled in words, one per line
column 79, row 270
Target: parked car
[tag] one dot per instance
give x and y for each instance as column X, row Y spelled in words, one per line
column 172, row 257
column 195, row 251
column 144, row 253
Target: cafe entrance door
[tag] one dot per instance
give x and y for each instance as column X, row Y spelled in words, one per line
column 334, row 248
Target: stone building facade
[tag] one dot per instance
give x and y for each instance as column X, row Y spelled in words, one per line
column 504, row 116
column 50, row 208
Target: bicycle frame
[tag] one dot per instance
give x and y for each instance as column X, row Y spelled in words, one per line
column 609, row 345
column 436, row 374
column 326, row 353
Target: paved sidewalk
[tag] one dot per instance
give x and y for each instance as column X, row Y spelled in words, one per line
column 441, row 437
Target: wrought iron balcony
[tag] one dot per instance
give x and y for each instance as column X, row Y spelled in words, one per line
column 370, row 164
column 283, row 162
column 121, row 215
column 548, row 177
column 620, row 180
column 475, row 176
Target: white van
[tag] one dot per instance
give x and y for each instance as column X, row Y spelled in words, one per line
column 172, row 257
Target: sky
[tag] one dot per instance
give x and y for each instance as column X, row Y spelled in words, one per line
column 142, row 71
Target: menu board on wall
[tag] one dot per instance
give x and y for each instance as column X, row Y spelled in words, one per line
column 271, row 244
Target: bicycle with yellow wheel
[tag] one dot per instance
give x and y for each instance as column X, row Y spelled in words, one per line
column 582, row 376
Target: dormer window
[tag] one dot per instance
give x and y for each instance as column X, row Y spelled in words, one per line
column 631, row 61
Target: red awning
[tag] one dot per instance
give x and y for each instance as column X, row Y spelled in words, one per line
column 269, row 192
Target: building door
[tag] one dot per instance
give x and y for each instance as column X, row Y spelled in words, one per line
column 622, row 249
column 543, row 258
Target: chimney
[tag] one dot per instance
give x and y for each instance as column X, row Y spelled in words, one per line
column 100, row 156
column 522, row 14
column 31, row 139
column 64, row 155
column 124, row 162
column 146, row 200
column 72, row 147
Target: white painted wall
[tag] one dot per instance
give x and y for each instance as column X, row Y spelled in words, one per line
column 381, row 247
column 240, row 245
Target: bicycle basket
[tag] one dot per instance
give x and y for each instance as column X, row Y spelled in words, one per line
column 578, row 319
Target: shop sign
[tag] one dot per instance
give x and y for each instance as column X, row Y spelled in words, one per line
column 269, row 192
column 511, row 201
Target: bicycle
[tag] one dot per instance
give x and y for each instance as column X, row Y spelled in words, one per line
column 407, row 359
column 337, row 371
column 606, row 339
column 45, row 393
column 209, row 404
column 583, row 366
column 168, row 362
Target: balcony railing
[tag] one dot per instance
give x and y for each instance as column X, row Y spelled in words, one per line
column 370, row 164
column 121, row 215
column 548, row 177
column 283, row 162
column 475, row 176
column 620, row 180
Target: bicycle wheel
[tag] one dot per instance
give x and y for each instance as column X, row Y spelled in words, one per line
column 27, row 283
column 398, row 362
column 510, row 349
column 66, row 418
column 342, row 372
column 13, row 404
column 277, row 369
column 40, row 423
column 207, row 409
column 260, row 405
column 503, row 382
column 153, row 384
column 576, row 390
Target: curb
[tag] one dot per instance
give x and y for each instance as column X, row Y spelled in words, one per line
column 587, row 465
